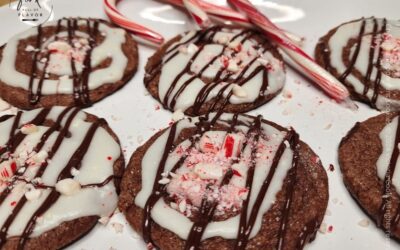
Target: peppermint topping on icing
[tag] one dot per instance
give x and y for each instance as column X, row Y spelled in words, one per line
column 203, row 170
column 61, row 54
column 234, row 171
column 391, row 54
column 365, row 53
column 203, row 65
column 68, row 186
column 66, row 61
column 53, row 173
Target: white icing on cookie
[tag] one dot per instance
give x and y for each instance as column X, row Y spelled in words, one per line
column 111, row 47
column 387, row 42
column 230, row 53
column 388, row 138
column 75, row 199
column 213, row 148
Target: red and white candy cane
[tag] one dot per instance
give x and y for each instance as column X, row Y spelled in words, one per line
column 110, row 7
column 217, row 12
column 224, row 14
column 324, row 79
column 197, row 13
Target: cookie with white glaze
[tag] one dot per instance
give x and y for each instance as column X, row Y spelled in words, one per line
column 368, row 156
column 191, row 186
column 60, row 170
column 364, row 55
column 68, row 62
column 198, row 72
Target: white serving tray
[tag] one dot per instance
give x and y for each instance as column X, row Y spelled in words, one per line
column 132, row 113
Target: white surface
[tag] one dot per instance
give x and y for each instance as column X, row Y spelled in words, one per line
column 133, row 115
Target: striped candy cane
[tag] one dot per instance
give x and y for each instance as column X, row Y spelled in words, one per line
column 197, row 13
column 227, row 15
column 137, row 29
column 320, row 76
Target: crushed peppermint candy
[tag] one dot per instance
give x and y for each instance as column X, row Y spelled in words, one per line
column 203, row 170
column 390, row 53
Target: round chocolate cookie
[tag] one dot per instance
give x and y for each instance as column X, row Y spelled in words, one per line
column 69, row 62
column 225, row 182
column 198, row 72
column 60, row 170
column 368, row 156
column 364, row 55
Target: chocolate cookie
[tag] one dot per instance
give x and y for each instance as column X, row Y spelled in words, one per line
column 368, row 156
column 228, row 182
column 72, row 61
column 198, row 72
column 60, row 170
column 364, row 55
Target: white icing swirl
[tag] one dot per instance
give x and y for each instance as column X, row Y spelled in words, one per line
column 229, row 52
column 174, row 220
column 95, row 168
column 111, row 47
column 388, row 138
column 351, row 30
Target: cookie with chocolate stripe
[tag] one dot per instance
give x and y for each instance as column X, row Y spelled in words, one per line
column 60, row 170
column 368, row 158
column 68, row 62
column 198, row 72
column 226, row 181
column 364, row 55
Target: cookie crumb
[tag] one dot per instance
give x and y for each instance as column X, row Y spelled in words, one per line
column 104, row 220
column 363, row 223
column 328, row 126
column 287, row 94
column 323, row 228
column 118, row 227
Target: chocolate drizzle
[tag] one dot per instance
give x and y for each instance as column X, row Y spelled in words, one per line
column 350, row 67
column 80, row 81
column 377, row 83
column 374, row 62
column 201, row 39
column 68, row 114
column 248, row 215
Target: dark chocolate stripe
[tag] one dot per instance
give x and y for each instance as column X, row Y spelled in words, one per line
column 75, row 161
column 156, row 193
column 343, row 77
column 292, row 174
column 247, row 226
column 14, row 142
column 32, row 97
column 35, row 98
column 377, row 83
column 371, row 57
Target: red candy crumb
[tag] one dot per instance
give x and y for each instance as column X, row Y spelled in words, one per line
column 13, row 203
column 13, row 167
column 225, row 61
column 238, row 48
column 330, row 229
column 229, row 143
column 109, row 158
column 235, row 172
